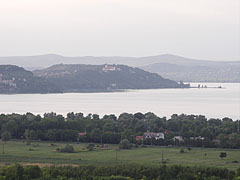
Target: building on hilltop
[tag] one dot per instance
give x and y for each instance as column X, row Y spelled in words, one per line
column 108, row 68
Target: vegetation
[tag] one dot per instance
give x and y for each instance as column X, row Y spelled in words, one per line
column 45, row 154
column 14, row 79
column 169, row 66
column 196, row 131
column 6, row 136
column 90, row 147
column 67, row 149
column 80, row 78
column 125, row 144
column 120, row 172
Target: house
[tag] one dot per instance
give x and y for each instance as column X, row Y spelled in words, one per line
column 139, row 138
column 149, row 135
column 107, row 68
column 9, row 82
column 166, row 131
column 178, row 138
column 197, row 138
column 82, row 134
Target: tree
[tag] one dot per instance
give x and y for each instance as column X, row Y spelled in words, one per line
column 6, row 136
column 139, row 115
column 95, row 117
column 29, row 136
column 125, row 144
column 14, row 172
column 70, row 116
column 96, row 135
column 32, row 172
column 126, row 134
column 11, row 126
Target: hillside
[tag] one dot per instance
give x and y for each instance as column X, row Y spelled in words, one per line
column 169, row 66
column 229, row 72
column 14, row 79
column 75, row 78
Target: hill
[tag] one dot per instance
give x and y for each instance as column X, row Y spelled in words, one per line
column 169, row 66
column 75, row 78
column 228, row 72
column 79, row 78
column 14, row 79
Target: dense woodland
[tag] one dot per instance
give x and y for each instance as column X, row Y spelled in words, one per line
column 120, row 172
column 110, row 129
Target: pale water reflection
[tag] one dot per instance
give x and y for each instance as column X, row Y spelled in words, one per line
column 212, row 102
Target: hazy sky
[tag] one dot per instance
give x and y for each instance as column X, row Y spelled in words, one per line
column 203, row 29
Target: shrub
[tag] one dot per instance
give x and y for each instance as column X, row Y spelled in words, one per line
column 223, row 155
column 181, row 151
column 125, row 144
column 32, row 172
column 90, row 147
column 67, row 149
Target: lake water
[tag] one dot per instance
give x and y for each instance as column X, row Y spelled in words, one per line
column 212, row 102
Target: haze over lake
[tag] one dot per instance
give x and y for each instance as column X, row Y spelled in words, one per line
column 212, row 102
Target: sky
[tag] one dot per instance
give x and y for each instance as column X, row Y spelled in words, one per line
column 200, row 29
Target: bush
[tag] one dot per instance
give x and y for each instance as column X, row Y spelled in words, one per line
column 67, row 149
column 125, row 144
column 90, row 147
column 32, row 172
column 181, row 151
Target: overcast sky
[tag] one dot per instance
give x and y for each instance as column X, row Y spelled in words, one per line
column 202, row 29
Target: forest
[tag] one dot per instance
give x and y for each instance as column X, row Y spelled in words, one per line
column 195, row 130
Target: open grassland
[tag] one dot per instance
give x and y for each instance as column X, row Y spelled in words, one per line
column 45, row 152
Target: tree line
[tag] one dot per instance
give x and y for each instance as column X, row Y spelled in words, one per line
column 119, row 172
column 222, row 133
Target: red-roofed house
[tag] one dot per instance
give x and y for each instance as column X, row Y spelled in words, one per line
column 81, row 134
column 139, row 138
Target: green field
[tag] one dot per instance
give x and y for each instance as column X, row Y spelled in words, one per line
column 44, row 152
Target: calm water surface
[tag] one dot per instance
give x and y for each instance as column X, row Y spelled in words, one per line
column 212, row 102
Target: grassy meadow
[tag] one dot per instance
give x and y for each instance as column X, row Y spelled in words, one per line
column 44, row 153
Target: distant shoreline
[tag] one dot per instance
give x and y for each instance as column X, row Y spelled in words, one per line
column 193, row 85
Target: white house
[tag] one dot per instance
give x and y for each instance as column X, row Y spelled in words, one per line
column 179, row 138
column 149, row 135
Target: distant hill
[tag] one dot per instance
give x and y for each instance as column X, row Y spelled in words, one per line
column 14, row 79
column 79, row 78
column 169, row 66
column 228, row 72
column 75, row 78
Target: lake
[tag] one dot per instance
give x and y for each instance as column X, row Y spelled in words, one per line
column 211, row 102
